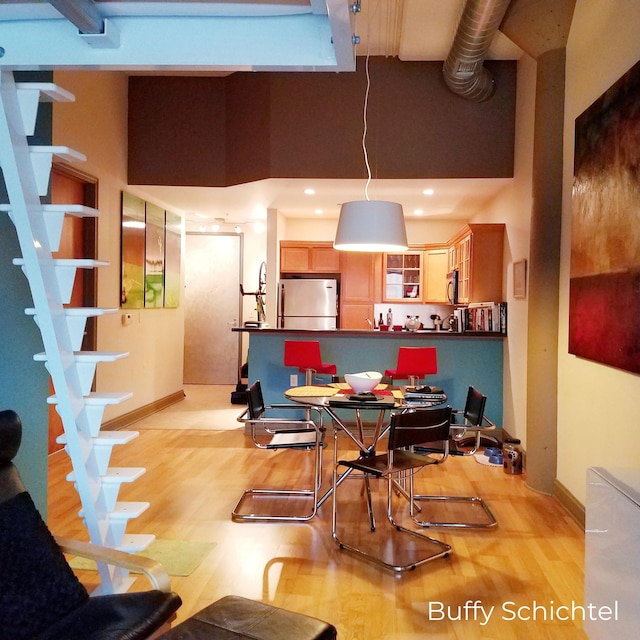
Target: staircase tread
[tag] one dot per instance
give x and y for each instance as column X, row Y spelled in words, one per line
column 89, row 356
column 100, row 397
column 116, row 475
column 78, row 311
column 70, row 262
column 49, row 91
column 107, row 438
column 71, row 209
column 67, row 153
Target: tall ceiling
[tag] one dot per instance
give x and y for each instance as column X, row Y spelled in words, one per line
column 222, row 36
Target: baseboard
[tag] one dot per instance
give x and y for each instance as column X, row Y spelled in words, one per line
column 142, row 412
column 569, row 503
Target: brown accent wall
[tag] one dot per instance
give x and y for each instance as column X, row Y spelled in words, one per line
column 201, row 131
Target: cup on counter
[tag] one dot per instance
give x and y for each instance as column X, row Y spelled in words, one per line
column 383, row 327
column 397, row 327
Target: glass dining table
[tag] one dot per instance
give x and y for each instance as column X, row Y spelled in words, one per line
column 346, row 409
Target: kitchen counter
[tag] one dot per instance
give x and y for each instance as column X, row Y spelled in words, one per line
column 464, row 359
column 370, row 333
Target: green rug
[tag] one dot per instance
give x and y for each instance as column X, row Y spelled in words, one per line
column 177, row 557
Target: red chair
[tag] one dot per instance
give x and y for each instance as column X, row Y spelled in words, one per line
column 414, row 363
column 305, row 355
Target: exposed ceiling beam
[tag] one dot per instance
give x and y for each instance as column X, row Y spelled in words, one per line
column 82, row 13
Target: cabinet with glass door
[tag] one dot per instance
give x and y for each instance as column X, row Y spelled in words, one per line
column 403, row 276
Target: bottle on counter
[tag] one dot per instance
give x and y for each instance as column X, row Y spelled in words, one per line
column 389, row 319
column 380, row 320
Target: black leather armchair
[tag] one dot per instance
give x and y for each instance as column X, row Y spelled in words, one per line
column 40, row 596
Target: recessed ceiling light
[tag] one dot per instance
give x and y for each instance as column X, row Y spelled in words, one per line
column 319, row 212
column 428, row 192
column 418, row 212
column 309, row 192
column 216, row 227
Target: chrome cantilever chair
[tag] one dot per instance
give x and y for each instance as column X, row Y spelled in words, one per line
column 40, row 597
column 398, row 467
column 277, row 433
column 471, row 419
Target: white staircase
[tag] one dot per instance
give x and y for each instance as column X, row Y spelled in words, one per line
column 26, row 172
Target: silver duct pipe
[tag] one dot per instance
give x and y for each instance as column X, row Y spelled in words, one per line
column 463, row 69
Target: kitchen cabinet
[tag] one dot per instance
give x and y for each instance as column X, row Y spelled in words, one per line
column 419, row 275
column 476, row 252
column 307, row 257
column 358, row 290
column 435, row 267
column 402, row 276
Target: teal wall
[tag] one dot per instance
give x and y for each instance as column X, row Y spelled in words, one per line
column 463, row 361
column 24, row 384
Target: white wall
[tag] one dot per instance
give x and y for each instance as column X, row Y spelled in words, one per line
column 96, row 125
column 595, row 427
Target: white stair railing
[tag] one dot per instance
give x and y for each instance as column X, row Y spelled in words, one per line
column 26, row 172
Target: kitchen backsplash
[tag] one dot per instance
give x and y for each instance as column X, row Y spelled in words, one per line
column 400, row 312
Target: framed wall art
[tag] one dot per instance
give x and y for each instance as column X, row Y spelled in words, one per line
column 604, row 289
column 151, row 255
column 520, row 279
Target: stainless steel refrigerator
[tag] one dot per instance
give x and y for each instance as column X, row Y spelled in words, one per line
column 308, row 304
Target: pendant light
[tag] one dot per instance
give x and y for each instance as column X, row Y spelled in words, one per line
column 370, row 225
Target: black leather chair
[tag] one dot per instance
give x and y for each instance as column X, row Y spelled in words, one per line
column 397, row 467
column 269, row 430
column 466, row 423
column 42, row 599
column 40, row 596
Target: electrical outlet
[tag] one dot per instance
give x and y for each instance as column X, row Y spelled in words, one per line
column 293, row 379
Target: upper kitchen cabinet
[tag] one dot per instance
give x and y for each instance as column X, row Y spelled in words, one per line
column 402, row 276
column 435, row 267
column 306, row 257
column 418, row 275
column 476, row 252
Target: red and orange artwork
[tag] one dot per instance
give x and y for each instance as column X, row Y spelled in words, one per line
column 604, row 298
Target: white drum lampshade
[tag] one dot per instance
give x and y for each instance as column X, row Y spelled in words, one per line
column 371, row 225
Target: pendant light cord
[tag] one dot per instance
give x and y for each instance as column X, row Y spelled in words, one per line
column 364, row 128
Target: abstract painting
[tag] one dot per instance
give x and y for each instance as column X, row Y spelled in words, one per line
column 604, row 293
column 154, row 256
column 132, row 274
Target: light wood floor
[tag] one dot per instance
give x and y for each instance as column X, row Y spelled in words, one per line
column 198, row 463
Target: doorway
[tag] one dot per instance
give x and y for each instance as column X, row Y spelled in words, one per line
column 213, row 264
column 78, row 240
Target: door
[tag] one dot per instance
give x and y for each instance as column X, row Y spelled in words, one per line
column 78, row 240
column 212, row 307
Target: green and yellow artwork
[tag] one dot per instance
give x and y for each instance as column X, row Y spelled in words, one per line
column 133, row 249
column 154, row 257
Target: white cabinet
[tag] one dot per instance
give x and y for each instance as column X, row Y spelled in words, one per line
column 612, row 554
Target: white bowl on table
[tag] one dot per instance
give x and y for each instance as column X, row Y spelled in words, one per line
column 363, row 382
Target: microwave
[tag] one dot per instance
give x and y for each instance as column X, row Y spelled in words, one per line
column 452, row 286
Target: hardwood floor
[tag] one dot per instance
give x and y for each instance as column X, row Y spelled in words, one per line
column 198, row 463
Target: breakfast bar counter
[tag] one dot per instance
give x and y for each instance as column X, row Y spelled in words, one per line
column 464, row 359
